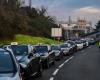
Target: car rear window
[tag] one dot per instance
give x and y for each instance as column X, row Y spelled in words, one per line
column 55, row 48
column 19, row 50
column 64, row 45
column 40, row 49
column 6, row 62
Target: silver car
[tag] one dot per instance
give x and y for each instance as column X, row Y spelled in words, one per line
column 9, row 68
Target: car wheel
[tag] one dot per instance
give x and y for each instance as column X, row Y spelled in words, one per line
column 53, row 63
column 47, row 64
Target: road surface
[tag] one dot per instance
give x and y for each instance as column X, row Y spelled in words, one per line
column 83, row 65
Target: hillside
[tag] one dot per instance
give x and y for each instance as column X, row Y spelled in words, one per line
column 26, row 39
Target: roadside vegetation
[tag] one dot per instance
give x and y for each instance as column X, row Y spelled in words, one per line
column 26, row 39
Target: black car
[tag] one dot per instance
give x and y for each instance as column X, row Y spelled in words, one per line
column 58, row 54
column 30, row 63
column 47, row 56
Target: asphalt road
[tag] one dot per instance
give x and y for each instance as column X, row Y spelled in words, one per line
column 83, row 65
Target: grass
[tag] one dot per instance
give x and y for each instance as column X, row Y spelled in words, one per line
column 26, row 39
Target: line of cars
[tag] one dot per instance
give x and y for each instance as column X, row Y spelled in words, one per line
column 25, row 62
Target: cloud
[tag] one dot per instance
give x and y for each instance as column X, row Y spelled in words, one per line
column 90, row 10
column 90, row 13
column 62, row 9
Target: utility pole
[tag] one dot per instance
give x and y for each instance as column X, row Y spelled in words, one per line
column 30, row 3
column 69, row 23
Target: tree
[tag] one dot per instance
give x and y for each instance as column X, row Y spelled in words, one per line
column 6, row 20
column 39, row 22
column 15, row 19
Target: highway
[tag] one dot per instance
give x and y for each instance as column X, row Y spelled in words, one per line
column 83, row 65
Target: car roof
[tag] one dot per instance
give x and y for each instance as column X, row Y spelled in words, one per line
column 42, row 45
column 2, row 49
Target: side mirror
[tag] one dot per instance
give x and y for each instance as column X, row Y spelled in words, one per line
column 34, row 51
column 49, row 51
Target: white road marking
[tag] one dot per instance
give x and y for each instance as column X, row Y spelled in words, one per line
column 55, row 72
column 66, row 61
column 61, row 65
column 71, row 57
column 52, row 78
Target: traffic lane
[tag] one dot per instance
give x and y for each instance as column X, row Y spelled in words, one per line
column 47, row 73
column 84, row 66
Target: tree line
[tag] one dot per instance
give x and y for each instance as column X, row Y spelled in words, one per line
column 24, row 20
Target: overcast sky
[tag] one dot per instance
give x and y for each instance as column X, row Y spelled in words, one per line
column 62, row 9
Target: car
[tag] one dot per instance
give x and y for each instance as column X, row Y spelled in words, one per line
column 74, row 46
column 30, row 63
column 57, row 51
column 66, row 49
column 91, row 41
column 9, row 67
column 85, row 43
column 47, row 56
column 79, row 44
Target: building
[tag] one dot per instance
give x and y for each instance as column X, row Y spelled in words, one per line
column 75, row 28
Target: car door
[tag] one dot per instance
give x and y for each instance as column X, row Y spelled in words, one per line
column 51, row 57
column 33, row 65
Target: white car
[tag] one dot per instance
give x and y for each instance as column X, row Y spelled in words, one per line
column 9, row 67
column 65, row 48
column 79, row 45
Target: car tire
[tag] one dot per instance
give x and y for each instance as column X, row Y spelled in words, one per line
column 53, row 63
column 47, row 64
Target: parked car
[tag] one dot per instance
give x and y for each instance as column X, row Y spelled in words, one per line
column 85, row 43
column 57, row 51
column 79, row 44
column 66, row 49
column 47, row 56
column 30, row 63
column 9, row 67
column 74, row 46
column 91, row 41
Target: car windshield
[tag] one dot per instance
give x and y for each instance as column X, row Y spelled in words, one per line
column 72, row 43
column 55, row 48
column 41, row 49
column 19, row 50
column 6, row 62
column 78, row 42
column 64, row 45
